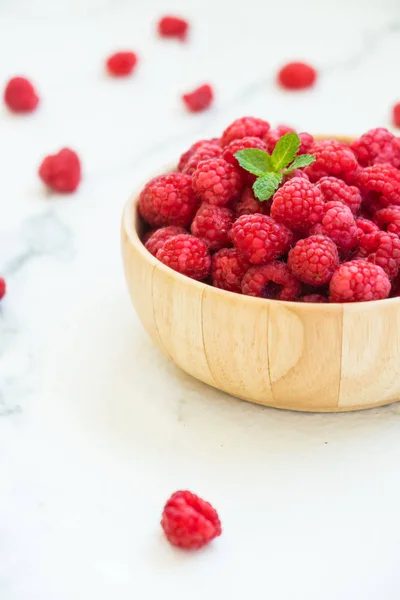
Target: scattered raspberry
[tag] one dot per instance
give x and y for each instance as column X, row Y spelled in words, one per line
column 315, row 298
column 158, row 238
column 396, row 115
column 334, row 189
column 168, row 200
column 359, row 281
column 245, row 127
column 297, row 76
column 339, row 224
column 121, row 64
column 213, row 224
column 186, row 254
column 61, row 172
column 382, row 179
column 260, row 239
column 377, row 146
column 247, row 204
column 192, row 150
column 298, row 204
column 388, row 219
column 200, row 99
column 332, row 158
column 170, row 26
column 205, row 152
column 273, row 281
column 313, row 260
column 3, row 288
column 189, row 522
column 383, row 249
column 274, row 135
column 241, row 144
column 217, row 181
column 20, row 96
column 228, row 267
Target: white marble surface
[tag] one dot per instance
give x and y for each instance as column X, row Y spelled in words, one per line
column 96, row 427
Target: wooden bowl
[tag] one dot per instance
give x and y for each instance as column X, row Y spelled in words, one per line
column 298, row 356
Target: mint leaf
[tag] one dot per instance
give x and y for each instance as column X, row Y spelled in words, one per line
column 254, row 160
column 301, row 161
column 266, row 185
column 285, row 151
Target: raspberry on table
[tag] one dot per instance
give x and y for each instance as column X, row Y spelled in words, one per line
column 315, row 298
column 61, row 172
column 228, row 267
column 273, row 281
column 189, row 522
column 245, row 127
column 205, row 152
column 186, row 254
column 388, row 219
column 359, row 281
column 158, row 238
column 217, row 181
column 20, row 96
column 332, row 158
column 193, row 148
column 213, row 225
column 396, row 115
column 337, row 190
column 3, row 288
column 297, row 76
column 170, row 26
column 339, row 224
column 377, row 146
column 382, row 179
column 248, row 204
column 199, row 99
column 383, row 249
column 168, row 200
column 298, row 204
column 121, row 64
column 230, row 150
column 313, row 260
column 260, row 238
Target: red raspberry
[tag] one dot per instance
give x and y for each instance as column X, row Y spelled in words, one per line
column 213, row 225
column 383, row 179
column 170, row 26
column 359, row 281
column 228, row 267
column 298, row 204
column 189, row 522
column 20, row 96
column 313, row 260
column 332, row 158
column 61, row 172
column 245, row 127
column 274, row 135
column 295, row 173
column 158, row 238
column 217, row 181
column 297, row 76
column 339, row 224
column 365, row 228
column 189, row 153
column 260, row 239
column 200, row 99
column 249, row 205
column 396, row 115
column 121, row 64
column 168, row 200
column 273, row 281
column 388, row 219
column 377, row 146
column 241, row 144
column 205, row 152
column 186, row 254
column 337, row 190
column 306, row 142
column 383, row 249
column 315, row 298
column 3, row 288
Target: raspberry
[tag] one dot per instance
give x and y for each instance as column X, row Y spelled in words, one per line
column 61, row 172
column 273, row 281
column 205, row 152
column 298, row 204
column 168, row 200
column 332, row 158
column 260, row 239
column 189, row 522
column 245, row 127
column 359, row 281
column 382, row 179
column 377, row 146
column 339, row 224
column 249, row 205
column 388, row 219
column 241, row 144
column 315, row 298
column 365, row 228
column 158, row 238
column 297, row 76
column 186, row 254
column 228, row 267
column 213, row 224
column 396, row 115
column 20, row 96
column 383, row 249
column 216, row 181
column 274, row 135
column 3, row 288
column 200, row 99
column 295, row 173
column 170, row 26
column 121, row 64
column 337, row 190
column 189, row 153
column 313, row 260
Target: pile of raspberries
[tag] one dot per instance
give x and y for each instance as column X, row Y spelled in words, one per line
column 330, row 232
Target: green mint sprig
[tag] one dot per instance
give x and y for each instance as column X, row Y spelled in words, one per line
column 270, row 169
